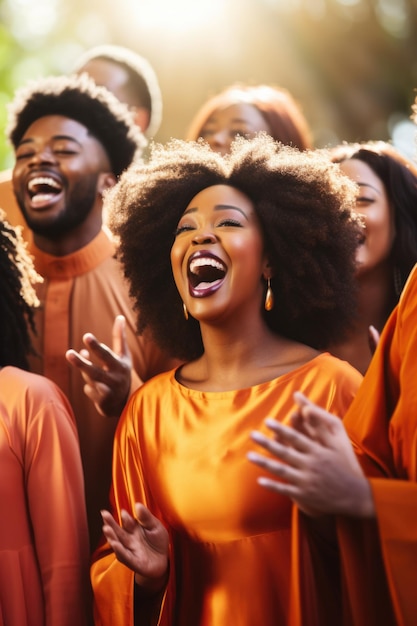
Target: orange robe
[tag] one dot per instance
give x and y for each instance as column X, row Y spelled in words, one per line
column 380, row 558
column 183, row 453
column 44, row 552
column 83, row 292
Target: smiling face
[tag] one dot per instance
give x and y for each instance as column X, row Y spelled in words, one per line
column 218, row 255
column 226, row 123
column 373, row 204
column 59, row 173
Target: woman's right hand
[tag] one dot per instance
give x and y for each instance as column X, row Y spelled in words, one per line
column 142, row 544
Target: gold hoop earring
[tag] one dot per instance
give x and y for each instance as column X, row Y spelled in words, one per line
column 269, row 297
column 185, row 311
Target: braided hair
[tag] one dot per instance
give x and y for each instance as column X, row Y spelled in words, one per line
column 17, row 297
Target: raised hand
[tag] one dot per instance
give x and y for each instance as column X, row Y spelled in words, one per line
column 106, row 372
column 315, row 463
column 142, row 544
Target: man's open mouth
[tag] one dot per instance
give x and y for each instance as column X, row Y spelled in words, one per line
column 43, row 190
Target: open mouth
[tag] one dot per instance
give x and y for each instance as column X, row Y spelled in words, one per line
column 43, row 190
column 205, row 274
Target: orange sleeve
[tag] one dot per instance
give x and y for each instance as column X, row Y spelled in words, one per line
column 109, row 577
column 55, row 492
column 382, row 555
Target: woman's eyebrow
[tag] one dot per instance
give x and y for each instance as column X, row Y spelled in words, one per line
column 368, row 185
column 218, row 207
column 222, row 207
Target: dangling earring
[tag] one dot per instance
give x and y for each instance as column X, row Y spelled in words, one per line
column 184, row 308
column 269, row 297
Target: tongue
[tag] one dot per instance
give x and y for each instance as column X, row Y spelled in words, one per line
column 204, row 285
column 42, row 199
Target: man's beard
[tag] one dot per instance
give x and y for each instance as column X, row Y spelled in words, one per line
column 79, row 203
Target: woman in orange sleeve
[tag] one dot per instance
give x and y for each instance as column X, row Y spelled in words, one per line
column 362, row 473
column 373, row 494
column 249, row 273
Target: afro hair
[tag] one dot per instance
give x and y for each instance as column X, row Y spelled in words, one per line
column 306, row 209
column 80, row 99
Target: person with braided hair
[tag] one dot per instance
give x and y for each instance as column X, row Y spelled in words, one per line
column 44, row 549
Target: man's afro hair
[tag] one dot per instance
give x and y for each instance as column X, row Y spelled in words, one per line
column 80, row 99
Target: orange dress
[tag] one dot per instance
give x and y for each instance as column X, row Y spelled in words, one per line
column 44, row 552
column 380, row 558
column 183, row 453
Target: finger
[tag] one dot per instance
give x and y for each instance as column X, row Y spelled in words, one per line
column 301, row 400
column 110, row 532
column 282, row 451
column 319, row 424
column 128, row 522
column 288, row 436
column 301, row 423
column 108, row 519
column 119, row 545
column 283, row 489
column 90, row 372
column 101, row 352
column 77, row 359
column 119, row 337
column 97, row 392
column 298, row 422
column 281, row 470
column 373, row 338
column 324, row 423
column 145, row 517
column 116, row 533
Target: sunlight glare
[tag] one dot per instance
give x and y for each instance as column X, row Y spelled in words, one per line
column 31, row 24
column 178, row 16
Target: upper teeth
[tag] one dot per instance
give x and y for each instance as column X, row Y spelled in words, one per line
column 43, row 180
column 202, row 261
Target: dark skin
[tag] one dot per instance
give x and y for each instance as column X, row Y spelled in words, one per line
column 314, row 464
column 240, row 349
column 141, row 543
column 115, row 78
column 107, row 373
column 375, row 267
column 61, row 150
column 58, row 148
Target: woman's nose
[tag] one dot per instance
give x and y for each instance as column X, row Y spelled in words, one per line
column 204, row 237
column 220, row 141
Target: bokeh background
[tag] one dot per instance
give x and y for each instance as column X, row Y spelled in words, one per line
column 351, row 64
